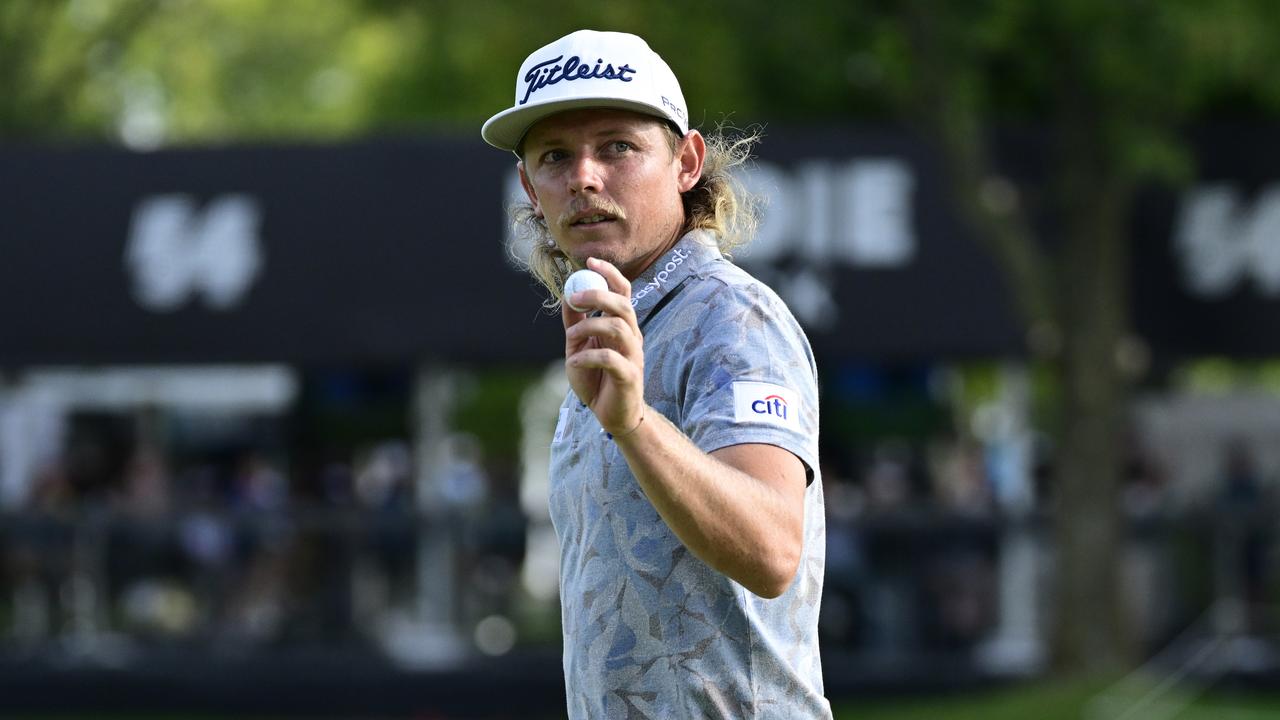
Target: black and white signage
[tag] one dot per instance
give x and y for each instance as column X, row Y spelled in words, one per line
column 395, row 252
column 1224, row 241
column 177, row 251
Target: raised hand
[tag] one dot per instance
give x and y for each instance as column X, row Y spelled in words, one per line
column 604, row 355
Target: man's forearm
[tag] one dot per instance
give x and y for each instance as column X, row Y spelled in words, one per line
column 746, row 525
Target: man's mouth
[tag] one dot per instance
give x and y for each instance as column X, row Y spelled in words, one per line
column 591, row 218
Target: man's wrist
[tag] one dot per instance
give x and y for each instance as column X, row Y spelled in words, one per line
column 644, row 412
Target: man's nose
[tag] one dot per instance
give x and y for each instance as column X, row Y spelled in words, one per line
column 585, row 175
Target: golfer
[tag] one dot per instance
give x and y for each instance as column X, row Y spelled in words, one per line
column 684, row 467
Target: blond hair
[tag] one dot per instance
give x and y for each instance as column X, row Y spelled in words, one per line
column 718, row 203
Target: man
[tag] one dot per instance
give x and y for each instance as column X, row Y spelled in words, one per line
column 684, row 464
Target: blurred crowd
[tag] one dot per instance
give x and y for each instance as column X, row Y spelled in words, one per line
column 238, row 548
column 916, row 537
column 246, row 545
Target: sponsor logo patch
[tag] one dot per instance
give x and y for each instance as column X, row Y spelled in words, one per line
column 560, row 425
column 755, row 402
column 550, row 72
column 676, row 259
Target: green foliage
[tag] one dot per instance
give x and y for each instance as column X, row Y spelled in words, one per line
column 186, row 70
column 1136, row 72
column 489, row 409
column 48, row 52
column 217, row 70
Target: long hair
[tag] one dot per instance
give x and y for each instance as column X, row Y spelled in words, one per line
column 718, row 203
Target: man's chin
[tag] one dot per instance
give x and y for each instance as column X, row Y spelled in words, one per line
column 579, row 252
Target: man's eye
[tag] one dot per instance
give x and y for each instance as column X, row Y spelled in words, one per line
column 621, row 146
column 551, row 156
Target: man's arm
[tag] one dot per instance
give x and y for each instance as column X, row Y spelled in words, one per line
column 739, row 509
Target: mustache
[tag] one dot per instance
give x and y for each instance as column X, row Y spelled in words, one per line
column 596, row 205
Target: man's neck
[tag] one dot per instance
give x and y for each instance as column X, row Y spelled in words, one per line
column 643, row 264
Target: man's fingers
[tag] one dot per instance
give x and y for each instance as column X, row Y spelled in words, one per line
column 610, row 361
column 614, row 301
column 614, row 331
column 605, row 301
column 588, row 300
column 618, row 282
column 569, row 316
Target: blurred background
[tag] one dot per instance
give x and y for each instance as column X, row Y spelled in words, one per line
column 275, row 405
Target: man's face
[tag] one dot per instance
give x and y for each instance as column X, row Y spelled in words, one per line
column 608, row 184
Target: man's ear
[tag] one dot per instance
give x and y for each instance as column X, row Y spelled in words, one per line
column 692, row 153
column 528, row 189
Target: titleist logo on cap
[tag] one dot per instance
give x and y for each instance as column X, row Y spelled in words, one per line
column 548, row 72
column 544, row 85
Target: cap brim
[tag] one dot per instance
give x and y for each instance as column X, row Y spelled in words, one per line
column 506, row 129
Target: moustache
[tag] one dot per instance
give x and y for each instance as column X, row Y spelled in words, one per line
column 604, row 207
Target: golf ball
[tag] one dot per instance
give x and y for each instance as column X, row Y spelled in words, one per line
column 583, row 280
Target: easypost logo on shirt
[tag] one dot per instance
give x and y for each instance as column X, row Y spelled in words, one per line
column 675, row 260
column 765, row 402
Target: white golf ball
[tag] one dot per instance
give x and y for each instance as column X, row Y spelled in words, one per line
column 583, row 280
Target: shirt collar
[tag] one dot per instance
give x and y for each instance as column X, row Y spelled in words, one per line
column 691, row 252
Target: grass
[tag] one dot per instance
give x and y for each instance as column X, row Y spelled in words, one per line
column 1069, row 701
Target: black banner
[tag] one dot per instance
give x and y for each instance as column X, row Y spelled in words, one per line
column 393, row 251
column 1206, row 276
column 369, row 253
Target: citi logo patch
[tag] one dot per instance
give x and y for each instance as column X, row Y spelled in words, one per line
column 756, row 402
column 772, row 405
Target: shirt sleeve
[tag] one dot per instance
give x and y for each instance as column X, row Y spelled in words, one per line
column 751, row 376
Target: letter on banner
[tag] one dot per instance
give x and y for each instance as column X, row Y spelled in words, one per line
column 1222, row 242
column 174, row 251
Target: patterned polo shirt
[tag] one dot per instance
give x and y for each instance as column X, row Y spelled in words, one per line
column 650, row 631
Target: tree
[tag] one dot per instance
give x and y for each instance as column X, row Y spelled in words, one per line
column 47, row 55
column 1114, row 83
column 151, row 72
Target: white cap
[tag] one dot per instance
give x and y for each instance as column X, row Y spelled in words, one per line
column 589, row 69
